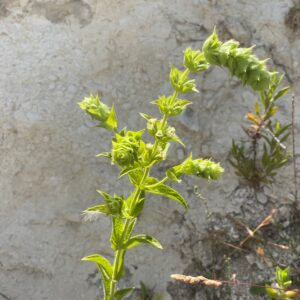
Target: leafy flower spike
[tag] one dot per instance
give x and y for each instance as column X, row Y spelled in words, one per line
column 240, row 62
column 204, row 168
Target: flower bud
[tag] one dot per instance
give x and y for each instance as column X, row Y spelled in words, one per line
column 180, row 82
column 125, row 150
column 199, row 167
column 195, row 61
column 169, row 107
column 149, row 146
column 114, row 205
column 171, row 132
column 152, row 126
column 99, row 112
column 211, row 49
column 207, row 169
column 290, row 294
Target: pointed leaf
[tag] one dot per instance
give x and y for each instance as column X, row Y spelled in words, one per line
column 257, row 109
column 136, row 176
column 142, row 238
column 121, row 294
column 145, row 116
column 104, row 195
column 171, row 174
column 281, row 93
column 100, row 209
column 272, row 112
column 253, row 118
column 262, row 97
column 126, row 170
column 131, row 211
column 164, row 190
column 272, row 293
column 105, row 269
column 130, row 229
column 112, row 121
column 100, row 261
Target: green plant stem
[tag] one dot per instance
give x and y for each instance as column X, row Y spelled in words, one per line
column 138, row 191
column 118, row 255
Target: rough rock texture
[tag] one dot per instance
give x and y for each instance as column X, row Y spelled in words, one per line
column 57, row 51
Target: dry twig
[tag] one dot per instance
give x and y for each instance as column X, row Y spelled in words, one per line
column 196, row 280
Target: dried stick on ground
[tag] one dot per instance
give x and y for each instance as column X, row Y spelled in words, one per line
column 196, row 280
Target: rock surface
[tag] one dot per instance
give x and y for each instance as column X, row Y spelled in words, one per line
column 56, row 52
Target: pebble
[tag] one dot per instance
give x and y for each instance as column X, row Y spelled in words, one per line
column 250, row 259
column 262, row 198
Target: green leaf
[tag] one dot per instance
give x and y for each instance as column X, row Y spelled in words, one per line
column 127, row 170
column 257, row 109
column 105, row 269
column 272, row 112
column 278, row 127
column 116, row 235
column 195, row 61
column 101, row 209
column 180, row 82
column 164, row 190
column 282, row 92
column 283, row 277
column 130, row 229
column 113, row 205
column 136, row 176
column 142, row 238
column 272, row 293
column 121, row 294
column 171, row 174
column 104, row 195
column 100, row 261
column 284, row 138
column 145, row 116
column 262, row 97
column 111, row 121
column 169, row 107
column 131, row 211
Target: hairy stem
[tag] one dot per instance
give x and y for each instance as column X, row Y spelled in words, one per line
column 118, row 255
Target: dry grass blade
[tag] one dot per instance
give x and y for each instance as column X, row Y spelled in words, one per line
column 284, row 247
column 265, row 222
